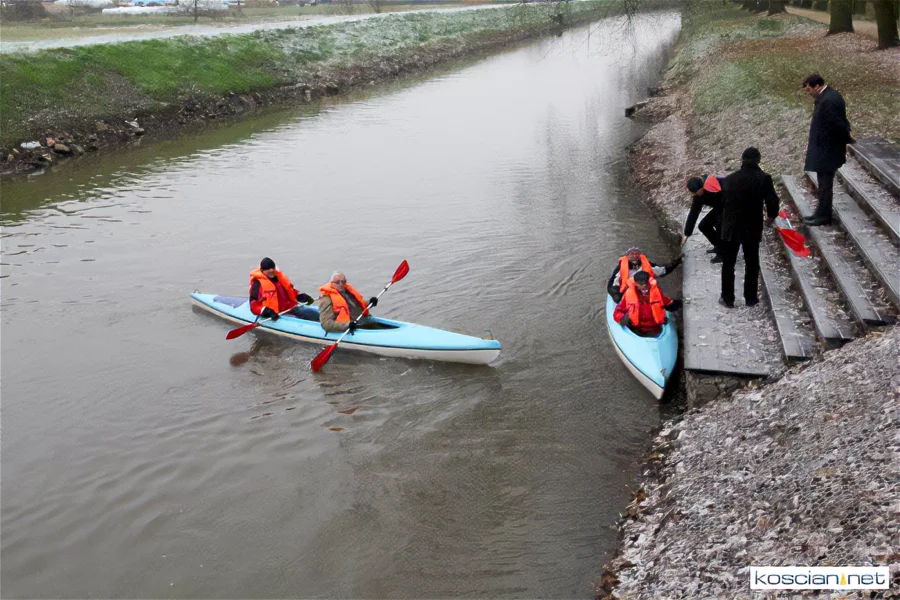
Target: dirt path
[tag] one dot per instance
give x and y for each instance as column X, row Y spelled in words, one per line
column 859, row 26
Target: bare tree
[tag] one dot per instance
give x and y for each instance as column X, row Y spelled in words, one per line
column 345, row 6
column 776, row 6
column 820, row 5
column 841, row 17
column 376, row 5
column 886, row 14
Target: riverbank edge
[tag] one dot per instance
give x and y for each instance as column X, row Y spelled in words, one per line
column 672, row 140
column 62, row 140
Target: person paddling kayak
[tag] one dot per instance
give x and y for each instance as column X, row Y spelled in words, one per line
column 271, row 292
column 341, row 306
column 634, row 261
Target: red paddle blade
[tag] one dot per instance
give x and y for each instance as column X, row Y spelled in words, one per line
column 401, row 272
column 794, row 240
column 240, row 331
column 322, row 357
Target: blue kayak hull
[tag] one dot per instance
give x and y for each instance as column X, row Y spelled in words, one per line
column 650, row 359
column 388, row 338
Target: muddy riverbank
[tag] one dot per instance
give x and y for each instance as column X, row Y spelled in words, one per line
column 97, row 98
column 795, row 471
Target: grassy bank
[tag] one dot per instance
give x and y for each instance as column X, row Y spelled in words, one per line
column 59, row 88
column 741, row 76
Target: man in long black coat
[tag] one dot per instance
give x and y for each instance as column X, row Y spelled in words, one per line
column 746, row 190
column 829, row 134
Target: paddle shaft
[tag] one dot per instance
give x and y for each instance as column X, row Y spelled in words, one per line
column 245, row 328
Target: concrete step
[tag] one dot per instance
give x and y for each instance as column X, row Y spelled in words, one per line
column 876, row 248
column 737, row 341
column 882, row 159
column 848, row 271
column 873, row 197
column 793, row 324
column 830, row 320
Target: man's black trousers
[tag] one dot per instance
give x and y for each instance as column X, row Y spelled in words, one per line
column 729, row 252
column 826, row 194
column 711, row 226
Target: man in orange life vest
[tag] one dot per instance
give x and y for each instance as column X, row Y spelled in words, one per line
column 634, row 261
column 271, row 292
column 341, row 306
column 643, row 306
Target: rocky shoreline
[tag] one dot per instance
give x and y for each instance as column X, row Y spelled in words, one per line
column 801, row 470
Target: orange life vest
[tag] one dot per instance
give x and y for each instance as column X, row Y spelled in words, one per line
column 340, row 306
column 624, row 275
column 268, row 294
column 632, row 302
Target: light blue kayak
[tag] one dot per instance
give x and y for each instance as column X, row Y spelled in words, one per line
column 385, row 337
column 650, row 359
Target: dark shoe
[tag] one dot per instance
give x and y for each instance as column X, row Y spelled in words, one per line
column 816, row 221
column 725, row 302
column 715, row 259
column 752, row 303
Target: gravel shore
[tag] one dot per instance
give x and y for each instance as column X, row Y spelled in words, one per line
column 802, row 472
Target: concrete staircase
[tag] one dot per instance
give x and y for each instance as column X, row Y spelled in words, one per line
column 851, row 281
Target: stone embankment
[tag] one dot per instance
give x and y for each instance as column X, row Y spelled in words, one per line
column 802, row 472
column 797, row 465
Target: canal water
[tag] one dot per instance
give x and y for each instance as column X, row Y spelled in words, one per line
column 145, row 456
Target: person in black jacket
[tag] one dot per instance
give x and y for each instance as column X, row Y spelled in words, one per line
column 706, row 191
column 747, row 190
column 829, row 134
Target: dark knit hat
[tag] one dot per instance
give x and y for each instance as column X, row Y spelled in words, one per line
column 266, row 264
column 694, row 184
column 751, row 155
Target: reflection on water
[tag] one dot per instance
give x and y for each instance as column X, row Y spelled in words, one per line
column 145, row 456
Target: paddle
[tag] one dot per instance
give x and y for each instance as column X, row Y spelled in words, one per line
column 245, row 328
column 793, row 239
column 322, row 357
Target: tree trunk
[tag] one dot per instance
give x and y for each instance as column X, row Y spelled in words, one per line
column 805, row 3
column 886, row 12
column 841, row 16
column 776, row 6
column 859, row 7
column 748, row 5
column 820, row 5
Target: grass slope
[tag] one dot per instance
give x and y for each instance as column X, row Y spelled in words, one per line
column 55, row 87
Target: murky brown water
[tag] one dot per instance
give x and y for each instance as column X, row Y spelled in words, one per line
column 145, row 456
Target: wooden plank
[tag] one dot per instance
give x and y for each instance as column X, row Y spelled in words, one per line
column 881, row 159
column 877, row 201
column 864, row 307
column 716, row 339
column 876, row 249
column 795, row 344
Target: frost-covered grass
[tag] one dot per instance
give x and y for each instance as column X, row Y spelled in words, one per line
column 53, row 87
column 749, row 68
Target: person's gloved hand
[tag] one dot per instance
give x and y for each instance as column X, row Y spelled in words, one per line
column 674, row 264
column 373, row 301
column 626, row 321
column 352, row 327
column 676, row 304
column 268, row 313
column 304, row 299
